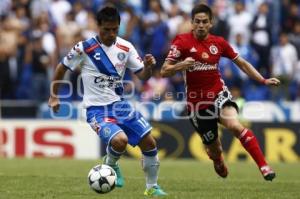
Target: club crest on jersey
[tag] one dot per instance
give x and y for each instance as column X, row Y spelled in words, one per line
column 121, row 56
column 106, row 132
column 213, row 49
column 97, row 56
column 204, row 55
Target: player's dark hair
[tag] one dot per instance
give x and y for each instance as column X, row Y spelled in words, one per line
column 202, row 8
column 108, row 13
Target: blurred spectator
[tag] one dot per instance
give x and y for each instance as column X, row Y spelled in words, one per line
column 10, row 29
column 40, row 61
column 239, row 22
column 284, row 63
column 58, row 10
column 130, row 29
column 185, row 5
column 261, row 38
column 155, row 88
column 232, row 75
column 42, row 24
column 174, row 20
column 37, row 7
column 290, row 15
column 5, row 6
column 91, row 26
column 81, row 14
column 294, row 37
column 220, row 27
column 155, row 31
column 65, row 33
column 186, row 25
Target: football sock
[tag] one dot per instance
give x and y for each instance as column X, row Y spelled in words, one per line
column 150, row 164
column 112, row 156
column 250, row 143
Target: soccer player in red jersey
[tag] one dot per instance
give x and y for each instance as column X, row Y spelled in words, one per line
column 197, row 55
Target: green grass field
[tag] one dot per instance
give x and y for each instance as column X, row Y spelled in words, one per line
column 182, row 179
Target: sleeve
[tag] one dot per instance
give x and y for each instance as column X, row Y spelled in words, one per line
column 74, row 58
column 228, row 51
column 176, row 50
column 135, row 62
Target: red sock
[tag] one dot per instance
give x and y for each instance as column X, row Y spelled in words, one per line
column 250, row 143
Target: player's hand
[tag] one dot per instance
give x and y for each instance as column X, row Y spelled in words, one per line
column 187, row 63
column 54, row 104
column 149, row 61
column 272, row 81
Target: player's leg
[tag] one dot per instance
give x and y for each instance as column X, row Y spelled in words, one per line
column 105, row 123
column 115, row 139
column 150, row 165
column 138, row 131
column 207, row 127
column 229, row 118
column 214, row 152
column 115, row 148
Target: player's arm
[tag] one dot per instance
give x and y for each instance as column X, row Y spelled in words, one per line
column 58, row 75
column 72, row 60
column 170, row 67
column 146, row 72
column 247, row 68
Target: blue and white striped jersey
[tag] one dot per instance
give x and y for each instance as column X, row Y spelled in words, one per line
column 103, row 68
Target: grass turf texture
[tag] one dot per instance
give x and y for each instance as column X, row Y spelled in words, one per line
column 189, row 179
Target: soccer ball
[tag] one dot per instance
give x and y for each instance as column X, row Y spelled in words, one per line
column 102, row 178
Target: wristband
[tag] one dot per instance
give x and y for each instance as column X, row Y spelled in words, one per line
column 263, row 81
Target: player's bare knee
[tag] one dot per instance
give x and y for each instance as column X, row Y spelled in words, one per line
column 233, row 126
column 147, row 143
column 151, row 143
column 119, row 142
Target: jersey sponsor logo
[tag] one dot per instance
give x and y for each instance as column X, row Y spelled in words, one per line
column 97, row 56
column 198, row 66
column 204, row 55
column 213, row 49
column 193, row 50
column 108, row 81
column 121, row 56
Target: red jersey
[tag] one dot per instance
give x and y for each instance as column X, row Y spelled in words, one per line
column 203, row 80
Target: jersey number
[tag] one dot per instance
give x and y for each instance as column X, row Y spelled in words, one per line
column 143, row 122
column 208, row 136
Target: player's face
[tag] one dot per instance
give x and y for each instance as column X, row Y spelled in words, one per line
column 201, row 25
column 108, row 31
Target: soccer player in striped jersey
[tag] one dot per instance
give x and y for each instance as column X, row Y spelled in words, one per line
column 103, row 60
